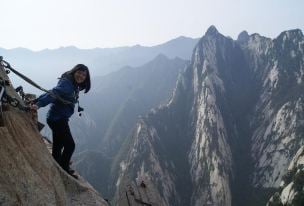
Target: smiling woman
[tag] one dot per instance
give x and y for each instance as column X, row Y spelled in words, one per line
column 68, row 87
column 80, row 76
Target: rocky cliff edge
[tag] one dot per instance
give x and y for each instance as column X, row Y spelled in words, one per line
column 29, row 175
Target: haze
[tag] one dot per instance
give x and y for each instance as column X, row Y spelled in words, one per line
column 40, row 24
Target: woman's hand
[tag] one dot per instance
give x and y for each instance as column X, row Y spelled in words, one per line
column 34, row 112
column 34, row 107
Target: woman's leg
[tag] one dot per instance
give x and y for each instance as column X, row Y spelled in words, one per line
column 68, row 146
column 57, row 140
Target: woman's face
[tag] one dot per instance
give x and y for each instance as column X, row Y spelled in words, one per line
column 80, row 76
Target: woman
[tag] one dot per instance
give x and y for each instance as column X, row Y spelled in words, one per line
column 63, row 99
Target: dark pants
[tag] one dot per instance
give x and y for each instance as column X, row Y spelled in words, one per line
column 63, row 143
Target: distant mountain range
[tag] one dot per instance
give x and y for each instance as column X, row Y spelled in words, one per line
column 46, row 65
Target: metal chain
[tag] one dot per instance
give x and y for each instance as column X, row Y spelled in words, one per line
column 28, row 80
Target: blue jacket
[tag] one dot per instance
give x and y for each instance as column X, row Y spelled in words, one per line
column 67, row 90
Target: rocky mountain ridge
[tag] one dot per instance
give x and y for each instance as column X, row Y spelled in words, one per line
column 231, row 128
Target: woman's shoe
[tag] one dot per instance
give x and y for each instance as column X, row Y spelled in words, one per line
column 71, row 172
column 73, row 175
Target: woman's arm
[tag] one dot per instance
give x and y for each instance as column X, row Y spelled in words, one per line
column 63, row 88
column 44, row 100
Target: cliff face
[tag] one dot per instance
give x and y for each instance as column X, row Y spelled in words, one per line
column 291, row 190
column 231, row 128
column 29, row 175
column 278, row 118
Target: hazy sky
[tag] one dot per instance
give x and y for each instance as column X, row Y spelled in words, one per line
column 39, row 24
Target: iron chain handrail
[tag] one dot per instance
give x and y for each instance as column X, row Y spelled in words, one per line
column 28, row 80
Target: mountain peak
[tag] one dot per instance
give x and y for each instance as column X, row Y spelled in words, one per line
column 294, row 33
column 212, row 30
column 161, row 56
column 68, row 48
column 243, row 37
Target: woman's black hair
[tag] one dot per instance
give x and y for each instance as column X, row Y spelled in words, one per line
column 86, row 85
